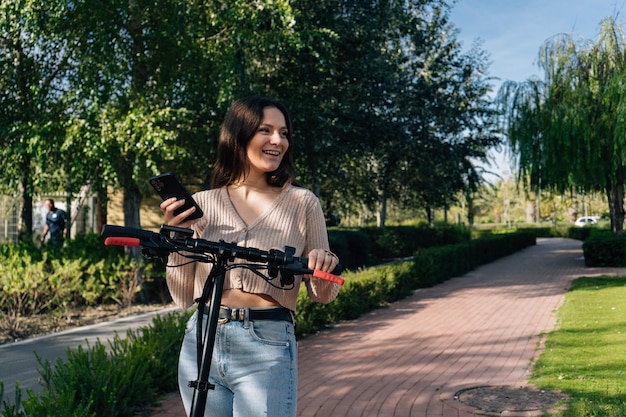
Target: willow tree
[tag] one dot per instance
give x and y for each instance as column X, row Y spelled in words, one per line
column 569, row 130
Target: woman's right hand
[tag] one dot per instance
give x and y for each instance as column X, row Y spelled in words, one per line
column 169, row 206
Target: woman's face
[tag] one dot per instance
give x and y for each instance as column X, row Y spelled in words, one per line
column 267, row 147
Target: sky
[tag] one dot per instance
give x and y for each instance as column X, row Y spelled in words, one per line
column 512, row 32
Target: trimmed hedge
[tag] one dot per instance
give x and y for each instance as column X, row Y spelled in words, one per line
column 607, row 250
column 371, row 245
column 353, row 247
column 366, row 290
column 435, row 265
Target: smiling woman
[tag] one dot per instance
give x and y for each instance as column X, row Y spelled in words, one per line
column 252, row 203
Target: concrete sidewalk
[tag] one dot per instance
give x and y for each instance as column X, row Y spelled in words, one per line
column 412, row 358
column 18, row 362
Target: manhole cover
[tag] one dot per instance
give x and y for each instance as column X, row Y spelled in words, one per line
column 509, row 399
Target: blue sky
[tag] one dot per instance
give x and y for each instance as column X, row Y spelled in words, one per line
column 512, row 31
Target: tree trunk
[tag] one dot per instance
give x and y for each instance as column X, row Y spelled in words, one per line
column 530, row 212
column 608, row 191
column 470, row 212
column 469, row 198
column 430, row 214
column 101, row 210
column 538, row 207
column 132, row 203
column 618, row 201
column 69, row 217
column 25, row 225
column 382, row 214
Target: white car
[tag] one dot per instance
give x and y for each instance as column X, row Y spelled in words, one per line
column 585, row 221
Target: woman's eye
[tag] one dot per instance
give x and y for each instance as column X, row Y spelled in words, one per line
column 284, row 133
column 264, row 130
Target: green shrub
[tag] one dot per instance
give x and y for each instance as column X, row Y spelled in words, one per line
column 33, row 282
column 118, row 381
column 392, row 242
column 435, row 265
column 584, row 233
column 311, row 316
column 605, row 250
column 357, row 297
column 578, row 233
column 353, row 247
column 29, row 286
column 363, row 291
column 368, row 289
column 539, row 231
column 91, row 247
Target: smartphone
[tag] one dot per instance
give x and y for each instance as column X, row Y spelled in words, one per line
column 168, row 185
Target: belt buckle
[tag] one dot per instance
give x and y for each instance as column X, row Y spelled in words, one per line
column 238, row 314
column 226, row 319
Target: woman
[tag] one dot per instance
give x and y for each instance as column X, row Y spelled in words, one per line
column 253, row 203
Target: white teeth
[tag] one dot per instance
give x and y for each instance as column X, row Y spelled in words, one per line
column 273, row 153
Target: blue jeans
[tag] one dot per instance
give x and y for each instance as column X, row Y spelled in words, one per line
column 254, row 369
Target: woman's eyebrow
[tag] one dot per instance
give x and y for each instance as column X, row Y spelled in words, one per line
column 267, row 124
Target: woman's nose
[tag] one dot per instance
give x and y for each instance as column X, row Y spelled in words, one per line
column 275, row 138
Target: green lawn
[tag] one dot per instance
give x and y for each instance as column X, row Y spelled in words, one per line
column 585, row 356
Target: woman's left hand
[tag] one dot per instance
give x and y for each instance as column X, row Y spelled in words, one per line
column 323, row 260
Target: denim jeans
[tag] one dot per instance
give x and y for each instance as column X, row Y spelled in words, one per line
column 254, row 369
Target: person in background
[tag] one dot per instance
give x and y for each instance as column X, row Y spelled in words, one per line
column 253, row 203
column 55, row 224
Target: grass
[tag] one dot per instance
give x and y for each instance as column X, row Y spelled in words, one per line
column 585, row 356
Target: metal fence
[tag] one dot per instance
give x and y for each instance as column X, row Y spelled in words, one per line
column 83, row 216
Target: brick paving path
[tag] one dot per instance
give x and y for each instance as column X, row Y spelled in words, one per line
column 411, row 358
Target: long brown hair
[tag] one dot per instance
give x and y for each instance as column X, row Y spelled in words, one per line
column 240, row 124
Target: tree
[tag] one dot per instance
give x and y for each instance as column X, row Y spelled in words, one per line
column 161, row 74
column 382, row 80
column 385, row 106
column 33, row 66
column 568, row 130
column 448, row 121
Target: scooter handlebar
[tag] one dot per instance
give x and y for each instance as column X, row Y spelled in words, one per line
column 175, row 239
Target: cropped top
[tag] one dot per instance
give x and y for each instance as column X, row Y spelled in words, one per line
column 294, row 219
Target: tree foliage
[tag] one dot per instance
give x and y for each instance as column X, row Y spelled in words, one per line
column 569, row 129
column 32, row 72
column 386, row 106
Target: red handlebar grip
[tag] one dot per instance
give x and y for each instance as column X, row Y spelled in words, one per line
column 328, row 277
column 122, row 241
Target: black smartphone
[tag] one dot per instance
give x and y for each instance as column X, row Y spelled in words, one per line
column 168, row 185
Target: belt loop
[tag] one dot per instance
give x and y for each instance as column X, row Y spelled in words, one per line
column 246, row 317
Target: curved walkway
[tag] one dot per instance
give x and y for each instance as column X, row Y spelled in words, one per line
column 411, row 358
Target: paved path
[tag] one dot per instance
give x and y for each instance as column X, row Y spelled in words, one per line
column 19, row 363
column 481, row 329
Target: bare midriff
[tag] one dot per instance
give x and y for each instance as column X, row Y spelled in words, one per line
column 237, row 298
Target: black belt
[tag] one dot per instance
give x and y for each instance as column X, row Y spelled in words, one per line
column 239, row 314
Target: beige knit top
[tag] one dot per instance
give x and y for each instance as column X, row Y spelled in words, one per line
column 294, row 219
